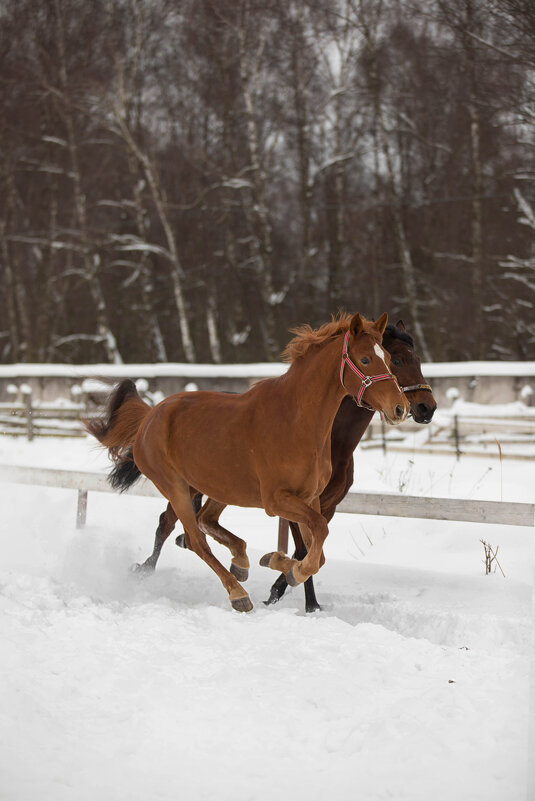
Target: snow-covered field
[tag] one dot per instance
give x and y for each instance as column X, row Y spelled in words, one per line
column 411, row 684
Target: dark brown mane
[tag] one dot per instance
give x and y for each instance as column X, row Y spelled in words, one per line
column 306, row 337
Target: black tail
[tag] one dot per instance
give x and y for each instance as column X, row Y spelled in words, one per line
column 125, row 473
column 117, row 430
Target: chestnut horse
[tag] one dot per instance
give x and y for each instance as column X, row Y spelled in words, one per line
column 269, row 447
column 349, row 426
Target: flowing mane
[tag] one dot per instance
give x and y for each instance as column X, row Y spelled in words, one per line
column 307, row 337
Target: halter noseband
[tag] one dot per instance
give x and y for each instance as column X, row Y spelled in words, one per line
column 415, row 387
column 367, row 380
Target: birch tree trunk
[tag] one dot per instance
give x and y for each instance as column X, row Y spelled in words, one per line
column 19, row 316
column 176, row 271
column 10, row 296
column 145, row 278
column 256, row 207
column 407, row 267
column 477, row 189
column 337, row 240
column 91, row 264
column 298, row 82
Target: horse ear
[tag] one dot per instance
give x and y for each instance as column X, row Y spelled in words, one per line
column 381, row 322
column 356, row 325
column 400, row 325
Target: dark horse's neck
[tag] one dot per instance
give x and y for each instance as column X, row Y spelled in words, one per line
column 349, row 426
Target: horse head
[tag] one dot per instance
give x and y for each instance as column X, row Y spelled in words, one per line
column 406, row 366
column 365, row 370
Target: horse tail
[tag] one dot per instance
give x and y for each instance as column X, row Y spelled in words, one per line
column 117, row 430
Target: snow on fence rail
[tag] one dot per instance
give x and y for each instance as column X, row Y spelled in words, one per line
column 363, row 503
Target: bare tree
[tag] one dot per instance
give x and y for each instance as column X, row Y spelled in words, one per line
column 209, row 174
column 370, row 26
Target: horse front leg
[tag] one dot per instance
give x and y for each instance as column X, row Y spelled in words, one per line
column 280, row 586
column 314, row 530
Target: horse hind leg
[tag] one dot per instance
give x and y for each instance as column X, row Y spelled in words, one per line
column 166, row 525
column 208, row 522
column 196, row 503
column 180, row 500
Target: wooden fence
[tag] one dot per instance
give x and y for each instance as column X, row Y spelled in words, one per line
column 456, row 434
column 362, row 503
column 453, row 434
column 22, row 416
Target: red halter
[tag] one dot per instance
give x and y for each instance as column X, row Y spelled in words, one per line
column 367, row 380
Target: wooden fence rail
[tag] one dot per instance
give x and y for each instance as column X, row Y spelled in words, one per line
column 362, row 503
column 459, row 435
column 449, row 434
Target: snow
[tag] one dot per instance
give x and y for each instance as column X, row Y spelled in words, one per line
column 258, row 370
column 505, row 411
column 411, row 684
column 236, row 183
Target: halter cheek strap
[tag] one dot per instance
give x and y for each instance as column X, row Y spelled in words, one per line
column 367, row 380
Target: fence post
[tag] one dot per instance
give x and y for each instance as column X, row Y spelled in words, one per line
column 282, row 541
column 81, row 511
column 26, row 391
column 456, row 435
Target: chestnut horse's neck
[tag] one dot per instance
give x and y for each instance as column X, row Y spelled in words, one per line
column 313, row 382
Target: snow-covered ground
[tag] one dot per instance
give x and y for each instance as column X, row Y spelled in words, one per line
column 411, row 684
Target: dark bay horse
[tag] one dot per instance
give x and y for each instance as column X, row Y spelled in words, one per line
column 269, row 447
column 350, row 424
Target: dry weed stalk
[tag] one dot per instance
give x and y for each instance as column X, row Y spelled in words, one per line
column 490, row 557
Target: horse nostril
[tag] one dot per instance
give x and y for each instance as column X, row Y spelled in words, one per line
column 399, row 411
column 424, row 409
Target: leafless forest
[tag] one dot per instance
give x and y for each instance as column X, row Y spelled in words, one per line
column 185, row 180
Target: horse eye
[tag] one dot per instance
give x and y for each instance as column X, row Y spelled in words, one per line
column 396, row 362
column 364, row 360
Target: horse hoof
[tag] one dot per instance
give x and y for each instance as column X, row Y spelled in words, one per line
column 290, row 578
column 141, row 570
column 312, row 608
column 181, row 541
column 273, row 599
column 241, row 573
column 242, row 604
column 265, row 560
